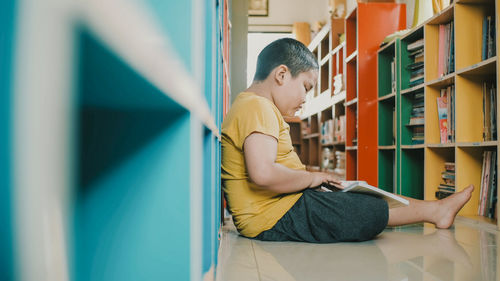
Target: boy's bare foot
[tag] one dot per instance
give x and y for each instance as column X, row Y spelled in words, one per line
column 448, row 208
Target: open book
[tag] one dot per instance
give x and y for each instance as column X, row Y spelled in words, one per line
column 393, row 201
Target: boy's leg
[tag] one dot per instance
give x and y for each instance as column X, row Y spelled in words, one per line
column 441, row 212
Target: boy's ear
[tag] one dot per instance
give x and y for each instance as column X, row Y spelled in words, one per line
column 279, row 74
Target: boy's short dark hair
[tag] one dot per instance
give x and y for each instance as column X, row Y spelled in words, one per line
column 290, row 52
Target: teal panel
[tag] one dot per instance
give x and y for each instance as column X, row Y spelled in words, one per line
column 218, row 199
column 133, row 222
column 210, row 59
column 208, row 200
column 7, row 14
column 109, row 82
column 132, row 197
column 175, row 19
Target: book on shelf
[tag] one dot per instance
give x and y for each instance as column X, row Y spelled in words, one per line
column 339, row 124
column 417, row 52
column 419, row 44
column 420, row 120
column 488, row 38
column 442, row 194
column 488, row 190
column 489, row 112
column 446, row 61
column 447, row 186
column 448, row 93
column 449, row 166
column 393, row 76
column 416, row 67
column 327, row 132
column 417, row 140
column 363, row 187
column 327, row 159
column 418, row 134
column 416, row 80
column 442, row 119
column 491, row 38
column 339, row 164
column 417, row 56
column 446, row 114
column 417, row 119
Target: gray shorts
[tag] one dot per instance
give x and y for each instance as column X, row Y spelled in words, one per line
column 327, row 217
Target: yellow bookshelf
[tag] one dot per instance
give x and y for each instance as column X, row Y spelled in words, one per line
column 469, row 74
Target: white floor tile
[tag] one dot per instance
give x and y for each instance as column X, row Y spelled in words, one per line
column 415, row 252
column 236, row 258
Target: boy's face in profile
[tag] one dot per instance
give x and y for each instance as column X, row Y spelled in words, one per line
column 290, row 93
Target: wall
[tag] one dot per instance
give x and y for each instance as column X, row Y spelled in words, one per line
column 238, row 49
column 283, row 13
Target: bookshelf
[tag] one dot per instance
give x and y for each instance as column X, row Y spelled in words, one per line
column 421, row 164
column 363, row 38
column 321, row 146
column 117, row 147
column 388, row 101
column 341, row 97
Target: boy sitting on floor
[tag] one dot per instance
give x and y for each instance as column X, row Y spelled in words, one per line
column 269, row 192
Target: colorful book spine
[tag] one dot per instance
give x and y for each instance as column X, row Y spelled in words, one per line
column 441, row 50
column 443, row 118
column 484, row 53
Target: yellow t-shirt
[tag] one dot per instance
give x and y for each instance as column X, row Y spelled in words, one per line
column 254, row 208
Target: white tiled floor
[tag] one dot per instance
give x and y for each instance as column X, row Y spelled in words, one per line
column 467, row 251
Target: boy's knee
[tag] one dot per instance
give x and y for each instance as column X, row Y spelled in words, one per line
column 375, row 218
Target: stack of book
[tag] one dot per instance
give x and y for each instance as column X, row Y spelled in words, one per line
column 489, row 46
column 446, row 114
column 338, row 84
column 327, row 132
column 488, row 192
column 416, row 68
column 417, row 119
column 340, row 164
column 446, row 57
column 339, row 134
column 447, row 187
column 489, row 112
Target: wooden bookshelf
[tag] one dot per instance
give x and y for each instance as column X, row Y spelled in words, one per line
column 325, row 103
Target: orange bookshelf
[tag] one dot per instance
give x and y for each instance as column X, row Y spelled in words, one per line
column 366, row 26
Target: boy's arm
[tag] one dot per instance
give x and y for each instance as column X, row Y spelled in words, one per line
column 260, row 152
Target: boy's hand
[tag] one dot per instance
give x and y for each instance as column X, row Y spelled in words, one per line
column 319, row 178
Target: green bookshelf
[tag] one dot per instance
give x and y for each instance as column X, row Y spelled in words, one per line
column 388, row 100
